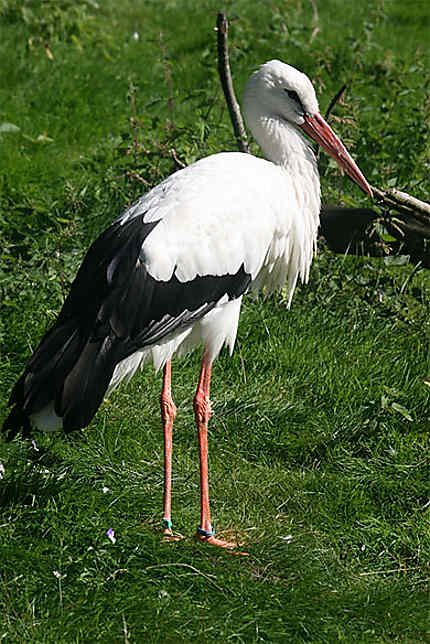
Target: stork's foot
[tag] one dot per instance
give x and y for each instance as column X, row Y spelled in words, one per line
column 213, row 541
column 168, row 534
column 209, row 537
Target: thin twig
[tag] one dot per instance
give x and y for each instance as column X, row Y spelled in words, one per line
column 315, row 10
column 315, row 20
column 336, row 98
column 407, row 221
column 176, row 159
column 227, row 84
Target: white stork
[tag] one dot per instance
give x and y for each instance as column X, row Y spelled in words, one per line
column 169, row 274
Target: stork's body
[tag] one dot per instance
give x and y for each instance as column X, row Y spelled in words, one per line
column 170, row 273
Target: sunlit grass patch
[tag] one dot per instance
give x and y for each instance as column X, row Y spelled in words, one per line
column 319, row 449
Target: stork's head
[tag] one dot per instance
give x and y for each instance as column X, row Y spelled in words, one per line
column 283, row 92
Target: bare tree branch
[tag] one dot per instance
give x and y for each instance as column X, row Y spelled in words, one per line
column 227, row 84
column 404, row 203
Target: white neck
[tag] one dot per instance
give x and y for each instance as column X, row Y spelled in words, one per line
column 283, row 144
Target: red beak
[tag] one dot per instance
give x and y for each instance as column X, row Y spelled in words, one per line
column 320, row 131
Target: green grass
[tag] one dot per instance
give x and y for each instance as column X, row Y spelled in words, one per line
column 319, row 447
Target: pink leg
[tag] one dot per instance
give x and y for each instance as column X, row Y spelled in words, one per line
column 202, row 412
column 168, row 414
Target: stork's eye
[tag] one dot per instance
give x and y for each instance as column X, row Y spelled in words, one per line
column 293, row 95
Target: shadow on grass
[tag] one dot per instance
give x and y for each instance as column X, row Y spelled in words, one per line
column 37, row 471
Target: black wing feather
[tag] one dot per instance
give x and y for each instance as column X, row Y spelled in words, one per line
column 114, row 308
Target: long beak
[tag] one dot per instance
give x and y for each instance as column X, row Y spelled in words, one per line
column 319, row 130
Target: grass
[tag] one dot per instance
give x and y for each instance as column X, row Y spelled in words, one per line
column 319, row 449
